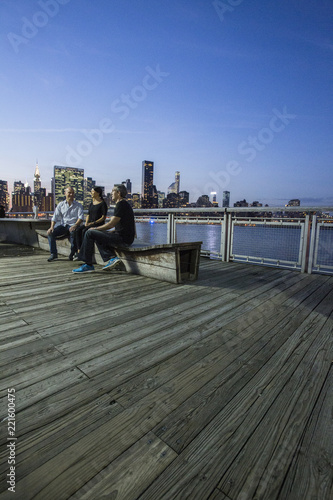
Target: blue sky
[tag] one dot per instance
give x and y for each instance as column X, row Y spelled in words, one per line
column 235, row 94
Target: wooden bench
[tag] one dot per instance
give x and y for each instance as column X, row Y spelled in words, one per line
column 172, row 262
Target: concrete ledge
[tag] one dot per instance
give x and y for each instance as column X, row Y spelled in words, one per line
column 21, row 231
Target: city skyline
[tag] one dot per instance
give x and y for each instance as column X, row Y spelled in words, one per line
column 58, row 195
column 236, row 96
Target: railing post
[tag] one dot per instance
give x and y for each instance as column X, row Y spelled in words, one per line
column 224, row 236
column 312, row 243
column 171, row 229
column 229, row 236
column 305, row 248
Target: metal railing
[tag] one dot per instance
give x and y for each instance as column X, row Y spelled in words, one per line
column 299, row 238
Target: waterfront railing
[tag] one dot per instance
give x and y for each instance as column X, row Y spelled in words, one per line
column 299, row 238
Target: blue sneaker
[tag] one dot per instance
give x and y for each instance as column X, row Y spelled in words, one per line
column 112, row 263
column 85, row 268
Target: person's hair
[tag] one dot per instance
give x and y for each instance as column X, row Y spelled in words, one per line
column 99, row 190
column 71, row 188
column 121, row 190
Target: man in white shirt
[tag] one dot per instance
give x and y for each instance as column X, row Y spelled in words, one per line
column 69, row 213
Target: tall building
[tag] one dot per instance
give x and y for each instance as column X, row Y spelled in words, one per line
column 203, row 201
column 147, row 188
column 136, row 200
column 184, row 198
column 22, row 199
column 47, row 203
column 18, row 187
column 226, row 199
column 160, row 199
column 37, row 183
column 128, row 186
column 171, row 201
column 4, row 195
column 174, row 187
column 88, row 185
column 68, row 176
column 214, row 200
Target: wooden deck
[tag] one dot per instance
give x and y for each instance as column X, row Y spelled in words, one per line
column 131, row 388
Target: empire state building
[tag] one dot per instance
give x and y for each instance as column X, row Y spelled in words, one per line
column 37, row 183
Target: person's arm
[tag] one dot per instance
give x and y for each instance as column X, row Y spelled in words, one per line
column 109, row 225
column 98, row 221
column 50, row 230
column 76, row 225
column 56, row 216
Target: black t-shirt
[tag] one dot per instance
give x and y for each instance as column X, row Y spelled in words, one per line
column 97, row 211
column 125, row 227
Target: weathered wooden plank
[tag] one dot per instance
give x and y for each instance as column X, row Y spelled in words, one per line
column 266, row 456
column 131, row 473
column 310, row 474
column 54, row 299
column 245, row 307
column 11, row 323
column 200, row 465
column 26, row 355
column 31, row 391
column 244, row 356
column 45, row 442
column 218, row 495
column 64, row 474
column 187, row 420
column 198, row 320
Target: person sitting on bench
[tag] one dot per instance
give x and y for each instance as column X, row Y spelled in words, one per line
column 97, row 212
column 69, row 213
column 123, row 235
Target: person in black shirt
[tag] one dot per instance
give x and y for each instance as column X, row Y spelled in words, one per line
column 123, row 234
column 97, row 212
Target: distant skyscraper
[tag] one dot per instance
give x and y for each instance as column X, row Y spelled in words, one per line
column 22, row 200
column 18, row 187
column 160, row 198
column 171, row 201
column 68, row 176
column 177, row 181
column 184, row 198
column 37, row 182
column 47, row 203
column 128, row 186
column 136, row 200
column 4, row 195
column 203, row 201
column 88, row 185
column 226, row 199
column 38, row 192
column 147, row 188
column 174, row 187
column 213, row 195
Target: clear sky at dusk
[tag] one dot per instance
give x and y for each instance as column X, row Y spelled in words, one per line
column 235, row 94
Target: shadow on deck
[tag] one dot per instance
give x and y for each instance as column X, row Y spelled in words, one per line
column 131, row 388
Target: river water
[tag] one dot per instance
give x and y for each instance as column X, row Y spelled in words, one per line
column 271, row 242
